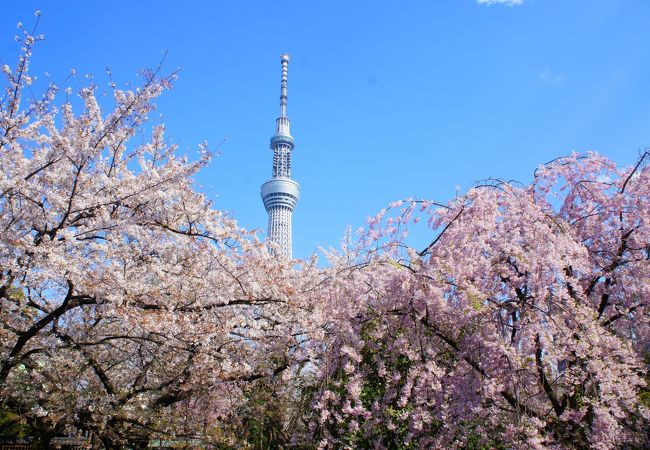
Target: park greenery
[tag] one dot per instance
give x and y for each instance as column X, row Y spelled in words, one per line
column 134, row 312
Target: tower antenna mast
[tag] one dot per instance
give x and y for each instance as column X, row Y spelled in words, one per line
column 280, row 194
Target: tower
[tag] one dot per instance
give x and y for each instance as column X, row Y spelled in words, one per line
column 280, row 194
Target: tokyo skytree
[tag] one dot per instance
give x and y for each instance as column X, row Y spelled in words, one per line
column 280, row 194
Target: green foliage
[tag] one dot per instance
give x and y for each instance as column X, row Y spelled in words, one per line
column 477, row 440
column 374, row 389
column 13, row 424
column 263, row 416
column 644, row 395
column 273, row 412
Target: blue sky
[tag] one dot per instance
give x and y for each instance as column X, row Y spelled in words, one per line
column 388, row 100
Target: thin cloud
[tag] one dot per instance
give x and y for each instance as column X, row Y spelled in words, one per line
column 551, row 78
column 500, row 2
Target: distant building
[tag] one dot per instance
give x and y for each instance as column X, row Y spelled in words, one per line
column 280, row 194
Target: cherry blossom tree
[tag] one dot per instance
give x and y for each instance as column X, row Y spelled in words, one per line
column 524, row 322
column 130, row 307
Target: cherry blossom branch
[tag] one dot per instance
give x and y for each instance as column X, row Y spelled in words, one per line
column 548, row 389
column 435, row 241
column 70, row 302
column 634, row 170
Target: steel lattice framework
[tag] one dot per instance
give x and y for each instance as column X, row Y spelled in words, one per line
column 280, row 194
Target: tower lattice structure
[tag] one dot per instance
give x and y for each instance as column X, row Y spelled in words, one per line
column 280, row 194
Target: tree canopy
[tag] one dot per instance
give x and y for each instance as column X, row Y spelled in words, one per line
column 133, row 310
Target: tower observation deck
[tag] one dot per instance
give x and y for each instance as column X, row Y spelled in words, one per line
column 280, row 194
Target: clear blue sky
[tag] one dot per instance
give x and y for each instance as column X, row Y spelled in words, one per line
column 388, row 99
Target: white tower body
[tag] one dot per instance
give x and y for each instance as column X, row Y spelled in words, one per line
column 280, row 194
